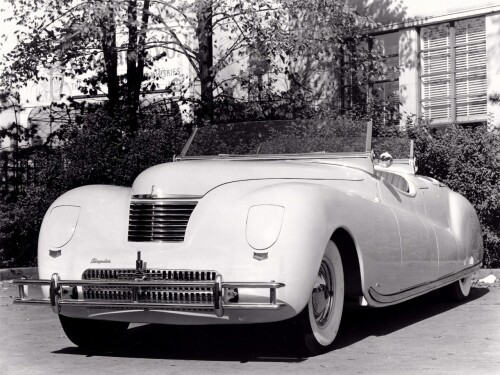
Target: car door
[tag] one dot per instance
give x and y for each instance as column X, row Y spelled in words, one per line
column 417, row 239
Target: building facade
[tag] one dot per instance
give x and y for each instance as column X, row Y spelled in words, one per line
column 448, row 58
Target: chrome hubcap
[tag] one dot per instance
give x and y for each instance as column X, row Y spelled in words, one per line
column 323, row 295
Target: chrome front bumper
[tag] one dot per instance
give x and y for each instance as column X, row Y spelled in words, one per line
column 60, row 292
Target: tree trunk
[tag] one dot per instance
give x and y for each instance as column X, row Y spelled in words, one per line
column 141, row 52
column 136, row 55
column 132, row 105
column 205, row 60
column 110, row 53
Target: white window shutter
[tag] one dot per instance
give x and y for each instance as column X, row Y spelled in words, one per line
column 435, row 65
column 471, row 83
column 469, row 67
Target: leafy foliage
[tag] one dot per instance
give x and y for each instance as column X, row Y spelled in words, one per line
column 89, row 40
column 113, row 47
column 465, row 158
column 468, row 161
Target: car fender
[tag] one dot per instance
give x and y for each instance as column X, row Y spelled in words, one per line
column 102, row 222
column 313, row 211
column 466, row 228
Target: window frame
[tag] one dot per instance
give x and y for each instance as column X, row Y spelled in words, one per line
column 452, row 72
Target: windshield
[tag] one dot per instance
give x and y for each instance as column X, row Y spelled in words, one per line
column 279, row 137
column 398, row 147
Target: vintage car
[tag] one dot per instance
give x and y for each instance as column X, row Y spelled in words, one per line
column 253, row 223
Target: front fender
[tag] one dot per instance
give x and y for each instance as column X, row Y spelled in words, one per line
column 313, row 210
column 102, row 224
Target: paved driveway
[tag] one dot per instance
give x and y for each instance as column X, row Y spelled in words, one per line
column 418, row 337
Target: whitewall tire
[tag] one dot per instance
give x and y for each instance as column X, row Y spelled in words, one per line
column 320, row 319
column 459, row 290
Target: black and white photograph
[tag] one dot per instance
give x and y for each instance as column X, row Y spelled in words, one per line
column 250, row 186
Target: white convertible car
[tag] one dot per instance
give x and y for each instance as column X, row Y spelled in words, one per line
column 253, row 223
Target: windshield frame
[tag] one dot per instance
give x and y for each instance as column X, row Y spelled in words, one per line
column 308, row 155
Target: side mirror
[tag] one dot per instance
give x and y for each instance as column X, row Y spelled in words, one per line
column 385, row 160
column 413, row 165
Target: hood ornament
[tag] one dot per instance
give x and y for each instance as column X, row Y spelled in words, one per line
column 140, row 267
column 155, row 192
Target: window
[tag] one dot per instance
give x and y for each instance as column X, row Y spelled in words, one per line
column 453, row 71
column 386, row 87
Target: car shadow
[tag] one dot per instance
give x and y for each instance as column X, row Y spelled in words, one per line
column 266, row 342
column 360, row 323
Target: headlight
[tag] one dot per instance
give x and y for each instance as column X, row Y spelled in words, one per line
column 61, row 224
column 264, row 225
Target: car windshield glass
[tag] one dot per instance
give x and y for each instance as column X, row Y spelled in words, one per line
column 279, row 137
column 398, row 147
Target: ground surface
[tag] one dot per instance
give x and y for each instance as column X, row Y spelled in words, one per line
column 423, row 336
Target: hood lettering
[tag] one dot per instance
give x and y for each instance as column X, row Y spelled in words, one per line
column 100, row 261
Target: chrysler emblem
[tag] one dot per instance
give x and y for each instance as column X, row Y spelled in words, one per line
column 155, row 192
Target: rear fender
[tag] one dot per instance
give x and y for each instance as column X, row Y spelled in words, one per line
column 466, row 228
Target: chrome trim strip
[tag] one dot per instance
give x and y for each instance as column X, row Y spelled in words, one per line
column 149, row 197
column 172, row 306
column 318, row 155
column 188, row 143
column 158, row 306
column 272, row 285
column 218, row 293
column 32, row 301
column 165, row 283
column 369, row 132
column 31, row 282
column 55, row 292
column 125, row 283
column 422, row 288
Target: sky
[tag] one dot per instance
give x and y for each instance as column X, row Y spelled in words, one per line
column 6, row 28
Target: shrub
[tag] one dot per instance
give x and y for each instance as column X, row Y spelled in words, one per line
column 98, row 149
column 467, row 159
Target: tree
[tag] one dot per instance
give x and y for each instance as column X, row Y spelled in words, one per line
column 82, row 38
column 324, row 50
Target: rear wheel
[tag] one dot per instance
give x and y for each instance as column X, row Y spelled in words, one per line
column 93, row 334
column 319, row 321
column 459, row 290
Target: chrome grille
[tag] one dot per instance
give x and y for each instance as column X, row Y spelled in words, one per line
column 149, row 274
column 159, row 219
column 184, row 295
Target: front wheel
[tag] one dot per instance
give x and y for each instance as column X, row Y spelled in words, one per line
column 319, row 321
column 93, row 334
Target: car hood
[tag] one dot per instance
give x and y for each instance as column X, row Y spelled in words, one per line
column 195, row 178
